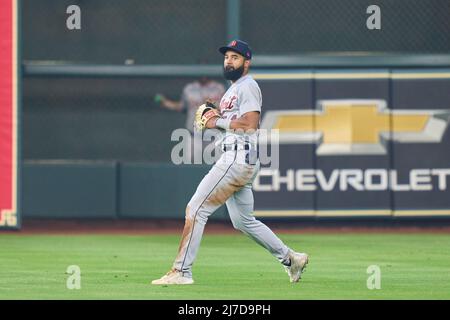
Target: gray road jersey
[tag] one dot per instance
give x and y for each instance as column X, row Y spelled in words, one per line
column 243, row 96
column 194, row 95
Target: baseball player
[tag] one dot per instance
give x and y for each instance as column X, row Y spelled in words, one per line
column 230, row 179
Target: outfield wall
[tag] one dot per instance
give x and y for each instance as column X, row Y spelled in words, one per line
column 353, row 143
column 105, row 189
column 356, row 141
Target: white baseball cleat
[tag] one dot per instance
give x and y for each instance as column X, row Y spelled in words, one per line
column 298, row 265
column 173, row 277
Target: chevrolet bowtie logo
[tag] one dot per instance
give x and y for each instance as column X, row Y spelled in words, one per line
column 356, row 126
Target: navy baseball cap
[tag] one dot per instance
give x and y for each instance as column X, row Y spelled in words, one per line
column 238, row 46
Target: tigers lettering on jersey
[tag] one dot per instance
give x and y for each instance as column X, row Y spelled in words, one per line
column 227, row 105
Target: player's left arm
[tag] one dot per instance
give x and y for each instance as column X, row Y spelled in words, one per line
column 248, row 121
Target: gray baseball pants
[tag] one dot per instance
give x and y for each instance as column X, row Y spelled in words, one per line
column 229, row 181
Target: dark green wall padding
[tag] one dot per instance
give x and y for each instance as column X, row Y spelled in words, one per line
column 99, row 189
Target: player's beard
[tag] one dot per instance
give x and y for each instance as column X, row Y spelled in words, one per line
column 233, row 74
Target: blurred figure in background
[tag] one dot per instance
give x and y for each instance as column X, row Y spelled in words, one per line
column 193, row 95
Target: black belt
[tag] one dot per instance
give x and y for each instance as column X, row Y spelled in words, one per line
column 234, row 147
column 251, row 157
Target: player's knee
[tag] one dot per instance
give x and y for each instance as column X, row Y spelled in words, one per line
column 189, row 214
column 202, row 215
column 199, row 214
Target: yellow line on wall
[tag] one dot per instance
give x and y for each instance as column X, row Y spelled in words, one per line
column 381, row 75
column 352, row 213
column 421, row 76
column 282, row 76
column 285, row 213
column 415, row 213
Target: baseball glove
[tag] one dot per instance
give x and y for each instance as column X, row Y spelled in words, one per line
column 204, row 113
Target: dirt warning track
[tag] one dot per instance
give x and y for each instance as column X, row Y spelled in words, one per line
column 148, row 227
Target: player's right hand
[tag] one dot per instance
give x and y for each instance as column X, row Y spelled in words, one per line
column 158, row 98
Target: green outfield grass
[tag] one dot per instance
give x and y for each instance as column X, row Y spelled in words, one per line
column 413, row 266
